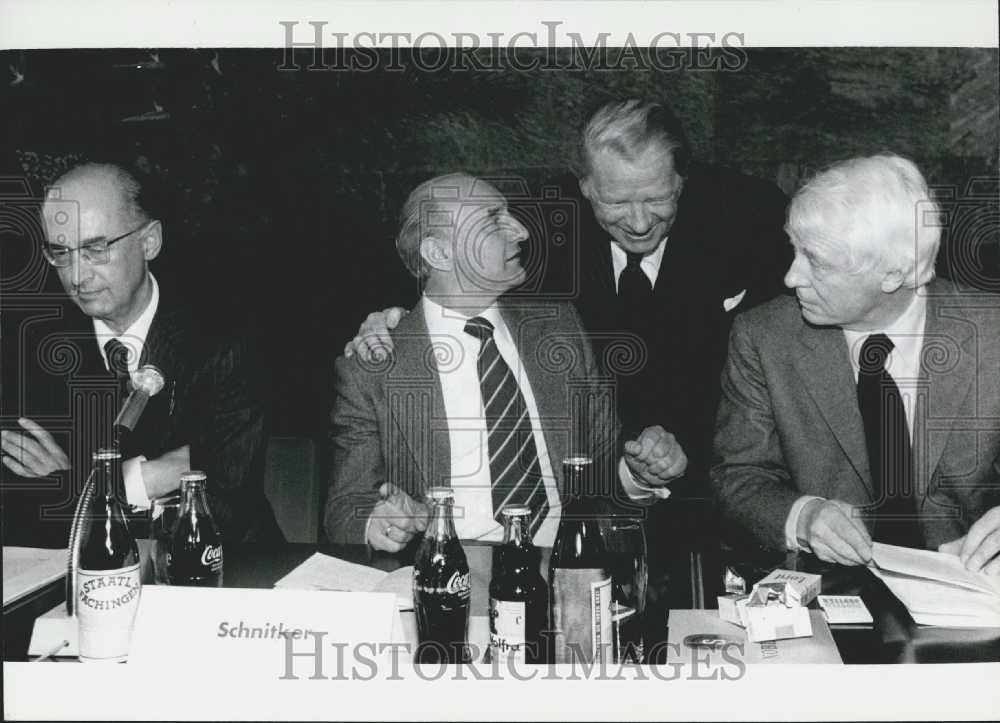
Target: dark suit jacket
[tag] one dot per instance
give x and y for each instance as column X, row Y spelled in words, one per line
column 209, row 402
column 388, row 422
column 727, row 239
column 789, row 422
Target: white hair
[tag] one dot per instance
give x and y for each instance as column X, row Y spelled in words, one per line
column 628, row 128
column 429, row 211
column 878, row 208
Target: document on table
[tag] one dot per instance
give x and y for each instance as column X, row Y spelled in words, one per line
column 26, row 569
column 325, row 572
column 936, row 588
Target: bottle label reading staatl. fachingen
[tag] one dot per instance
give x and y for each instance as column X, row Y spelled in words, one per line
column 581, row 614
column 107, row 601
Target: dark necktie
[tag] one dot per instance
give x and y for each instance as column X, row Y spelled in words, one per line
column 117, row 354
column 888, row 439
column 514, row 470
column 634, row 288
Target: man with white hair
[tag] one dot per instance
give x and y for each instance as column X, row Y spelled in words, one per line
column 662, row 253
column 483, row 393
column 869, row 407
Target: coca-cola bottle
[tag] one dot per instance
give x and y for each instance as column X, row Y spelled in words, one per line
column 196, row 550
column 579, row 574
column 108, row 584
column 519, row 597
column 441, row 587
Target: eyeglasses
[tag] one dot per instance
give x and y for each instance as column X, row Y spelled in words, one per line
column 97, row 253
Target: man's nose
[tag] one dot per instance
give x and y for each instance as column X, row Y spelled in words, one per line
column 517, row 230
column 795, row 277
column 639, row 218
column 80, row 270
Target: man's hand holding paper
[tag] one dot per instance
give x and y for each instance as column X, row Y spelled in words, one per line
column 979, row 548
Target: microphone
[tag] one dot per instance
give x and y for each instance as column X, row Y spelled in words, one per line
column 147, row 381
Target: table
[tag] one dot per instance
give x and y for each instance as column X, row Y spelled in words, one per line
column 693, row 580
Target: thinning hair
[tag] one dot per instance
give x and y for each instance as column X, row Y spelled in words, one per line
column 120, row 181
column 429, row 210
column 878, row 208
column 629, row 128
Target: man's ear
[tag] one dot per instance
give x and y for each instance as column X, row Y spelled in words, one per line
column 436, row 253
column 152, row 240
column 585, row 187
column 892, row 280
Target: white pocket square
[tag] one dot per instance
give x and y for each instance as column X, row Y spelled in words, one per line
column 731, row 303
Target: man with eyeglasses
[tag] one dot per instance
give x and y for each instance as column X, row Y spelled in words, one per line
column 100, row 240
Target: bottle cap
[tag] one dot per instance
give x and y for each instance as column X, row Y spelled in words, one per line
column 515, row 511
column 578, row 461
column 105, row 453
column 440, row 493
column 193, row 476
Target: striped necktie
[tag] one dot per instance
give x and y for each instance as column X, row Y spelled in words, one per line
column 514, row 469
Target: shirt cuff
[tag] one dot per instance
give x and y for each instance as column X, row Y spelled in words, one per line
column 364, row 539
column 636, row 491
column 792, row 523
column 135, row 485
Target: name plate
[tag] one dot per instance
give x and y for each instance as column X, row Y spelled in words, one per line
column 246, row 628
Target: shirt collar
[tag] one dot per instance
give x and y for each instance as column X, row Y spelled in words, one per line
column 651, row 259
column 906, row 332
column 446, row 322
column 135, row 336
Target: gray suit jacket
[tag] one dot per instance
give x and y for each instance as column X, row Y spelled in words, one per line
column 388, row 422
column 789, row 423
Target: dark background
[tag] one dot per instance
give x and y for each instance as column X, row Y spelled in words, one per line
column 279, row 189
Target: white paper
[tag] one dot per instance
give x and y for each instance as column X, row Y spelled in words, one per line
column 325, row 572
column 932, row 565
column 236, row 628
column 26, row 569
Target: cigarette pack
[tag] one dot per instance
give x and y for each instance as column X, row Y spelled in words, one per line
column 729, row 607
column 777, row 622
column 807, row 585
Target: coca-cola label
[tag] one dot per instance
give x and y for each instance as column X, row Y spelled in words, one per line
column 211, row 557
column 459, row 584
column 507, row 629
column 107, row 601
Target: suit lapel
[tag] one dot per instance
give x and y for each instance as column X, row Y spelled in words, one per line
column 597, row 263
column 528, row 334
column 414, row 381
column 948, row 388
column 825, row 366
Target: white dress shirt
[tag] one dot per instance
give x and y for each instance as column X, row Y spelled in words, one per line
column 134, row 339
column 467, row 435
column 650, row 263
column 902, row 364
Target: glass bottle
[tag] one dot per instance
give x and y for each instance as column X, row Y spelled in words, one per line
column 441, row 586
column 579, row 574
column 108, row 581
column 196, row 549
column 519, row 596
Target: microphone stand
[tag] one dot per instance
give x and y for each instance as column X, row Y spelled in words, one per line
column 147, row 381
